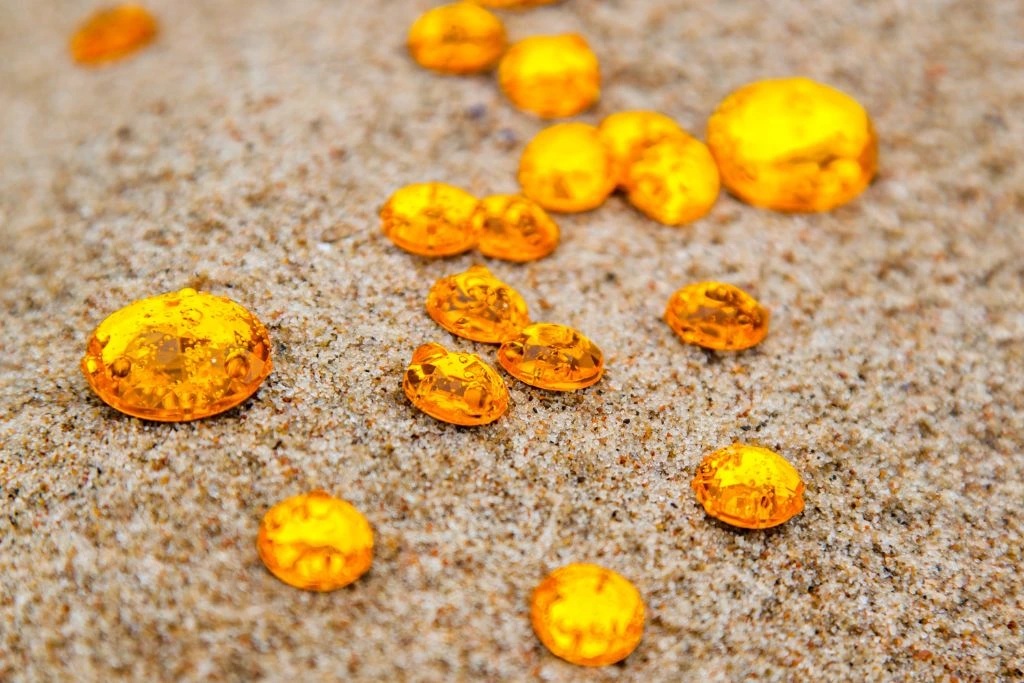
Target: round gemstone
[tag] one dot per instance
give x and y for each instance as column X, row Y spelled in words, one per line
column 674, row 181
column 627, row 134
column 514, row 228
column 551, row 76
column 717, row 316
column 552, row 356
column 478, row 306
column 567, row 168
column 430, row 219
column 459, row 388
column 460, row 38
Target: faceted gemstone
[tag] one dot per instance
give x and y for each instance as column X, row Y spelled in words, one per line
column 455, row 387
column 315, row 541
column 430, row 219
column 514, row 228
column 178, row 356
column 792, row 144
column 717, row 316
column 587, row 614
column 627, row 134
column 674, row 181
column 478, row 306
column 551, row 76
column 112, row 34
column 552, row 357
column 460, row 38
column 567, row 168
column 749, row 487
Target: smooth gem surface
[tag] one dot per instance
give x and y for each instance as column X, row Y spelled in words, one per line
column 674, row 181
column 551, row 76
column 627, row 134
column 460, row 38
column 459, row 388
column 551, row 356
column 179, row 356
column 112, row 34
column 567, row 168
column 717, row 316
column 430, row 219
column 478, row 306
column 514, row 228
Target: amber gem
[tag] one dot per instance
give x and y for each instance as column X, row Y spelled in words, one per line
column 478, row 306
column 430, row 219
column 749, row 487
column 674, row 181
column 552, row 356
column 460, row 38
column 514, row 228
column 551, row 76
column 627, row 134
column 587, row 614
column 112, row 34
column 177, row 356
column 567, row 168
column 459, row 388
column 717, row 316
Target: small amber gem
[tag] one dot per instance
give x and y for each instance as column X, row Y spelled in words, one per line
column 587, row 614
column 551, row 76
column 674, row 181
column 478, row 306
column 567, row 168
column 315, row 542
column 111, row 34
column 455, row 387
column 552, row 357
column 178, row 356
column 749, row 487
column 460, row 38
column 717, row 316
column 514, row 228
column 628, row 133
column 792, row 144
column 430, row 219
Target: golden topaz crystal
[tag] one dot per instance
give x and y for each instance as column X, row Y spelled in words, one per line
column 177, row 356
column 551, row 356
column 567, row 168
column 430, row 219
column 749, row 487
column 792, row 144
column 460, row 38
column 587, row 614
column 551, row 76
column 478, row 306
column 514, row 228
column 674, row 181
column 717, row 316
column 112, row 34
column 459, row 388
column 627, row 134
column 315, row 541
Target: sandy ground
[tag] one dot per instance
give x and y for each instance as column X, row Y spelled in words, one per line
column 247, row 153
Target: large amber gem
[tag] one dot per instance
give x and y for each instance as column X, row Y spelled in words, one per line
column 430, row 219
column 552, row 356
column 717, row 316
column 459, row 388
column 478, row 306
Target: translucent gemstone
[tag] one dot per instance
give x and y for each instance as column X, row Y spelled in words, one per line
column 792, row 144
column 717, row 316
column 749, row 487
column 112, row 34
column 587, row 615
column 460, row 38
column 567, row 168
column 551, row 76
column 514, row 228
column 455, row 387
column 315, row 541
column 430, row 219
column 627, row 134
column 552, row 357
column 674, row 181
column 178, row 356
column 478, row 306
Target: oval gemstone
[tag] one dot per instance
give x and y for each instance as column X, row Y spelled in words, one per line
column 717, row 316
column 587, row 614
column 112, row 34
column 551, row 76
column 792, row 144
column 315, row 541
column 460, row 38
column 514, row 228
column 177, row 356
column 459, row 388
column 674, row 181
column 567, row 168
column 478, row 306
column 430, row 219
column 749, row 487
column 628, row 133
column 552, row 356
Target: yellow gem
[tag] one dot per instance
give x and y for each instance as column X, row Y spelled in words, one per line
column 460, row 38
column 315, row 542
column 749, row 487
column 567, row 168
column 587, row 614
column 454, row 387
column 430, row 219
column 478, row 306
column 627, row 134
column 178, row 356
column 514, row 228
column 552, row 357
column 717, row 316
column 674, row 181
column 111, row 34
column 551, row 76
column 792, row 144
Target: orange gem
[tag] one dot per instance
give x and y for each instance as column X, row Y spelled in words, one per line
column 551, row 76
column 674, row 181
column 111, row 34
column 459, row 388
column 567, row 167
column 430, row 219
column 460, row 38
column 315, row 542
column 717, row 316
column 478, row 306
column 552, row 357
column 627, row 134
column 178, row 356
column 514, row 228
